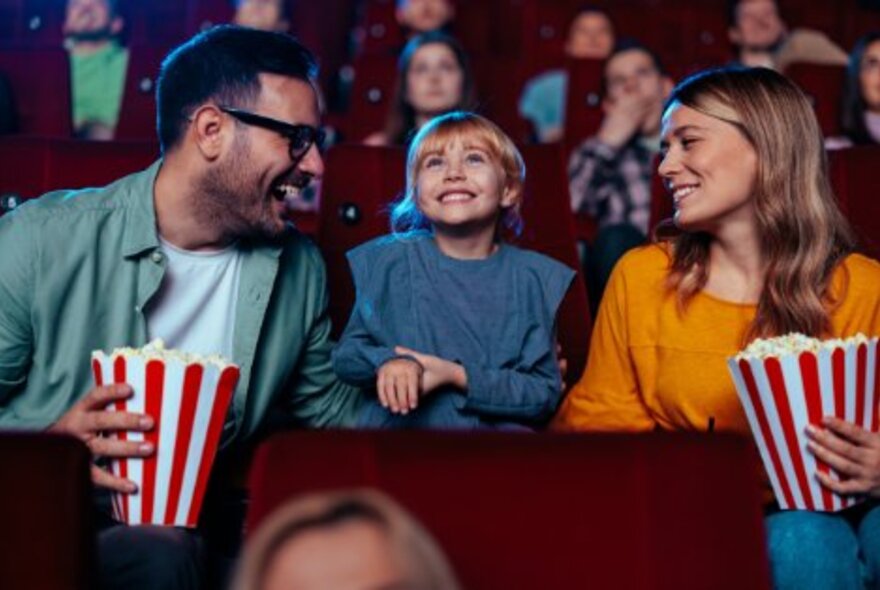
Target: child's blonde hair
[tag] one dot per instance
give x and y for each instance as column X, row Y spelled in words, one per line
column 405, row 213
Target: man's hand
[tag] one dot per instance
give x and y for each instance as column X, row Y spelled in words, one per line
column 88, row 418
column 397, row 385
column 437, row 371
column 850, row 450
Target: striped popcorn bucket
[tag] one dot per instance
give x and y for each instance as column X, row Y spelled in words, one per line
column 188, row 403
column 781, row 395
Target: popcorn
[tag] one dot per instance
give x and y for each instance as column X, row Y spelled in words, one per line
column 188, row 396
column 788, row 382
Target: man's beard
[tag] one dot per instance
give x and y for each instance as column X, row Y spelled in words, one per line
column 229, row 199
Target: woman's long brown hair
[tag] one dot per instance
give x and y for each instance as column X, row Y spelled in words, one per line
column 804, row 236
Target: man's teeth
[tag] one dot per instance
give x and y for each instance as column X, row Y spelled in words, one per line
column 287, row 190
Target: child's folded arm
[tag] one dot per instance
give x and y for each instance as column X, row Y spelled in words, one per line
column 527, row 394
column 358, row 356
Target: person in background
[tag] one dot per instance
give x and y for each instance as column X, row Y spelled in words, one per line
column 343, row 539
column 265, row 15
column 762, row 39
column 433, row 77
column 759, row 248
column 424, row 16
column 590, row 36
column 860, row 104
column 98, row 65
column 610, row 173
column 453, row 327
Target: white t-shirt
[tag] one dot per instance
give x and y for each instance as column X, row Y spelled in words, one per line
column 194, row 310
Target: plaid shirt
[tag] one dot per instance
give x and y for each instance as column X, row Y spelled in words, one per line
column 612, row 186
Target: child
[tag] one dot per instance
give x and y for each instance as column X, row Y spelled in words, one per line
column 455, row 328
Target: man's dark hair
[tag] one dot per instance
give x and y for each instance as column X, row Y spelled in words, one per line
column 733, row 15
column 629, row 44
column 223, row 64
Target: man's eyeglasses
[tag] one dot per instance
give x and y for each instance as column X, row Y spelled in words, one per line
column 300, row 137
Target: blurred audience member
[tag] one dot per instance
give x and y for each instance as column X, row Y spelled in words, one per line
column 423, row 16
column 98, row 64
column 8, row 115
column 761, row 38
column 265, row 15
column 860, row 107
column 590, row 36
column 433, row 78
column 610, row 173
column 356, row 540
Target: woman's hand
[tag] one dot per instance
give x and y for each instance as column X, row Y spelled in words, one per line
column 851, row 451
column 438, row 371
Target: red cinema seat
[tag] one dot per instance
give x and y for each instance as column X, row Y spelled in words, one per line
column 824, row 87
column 549, row 228
column 31, row 23
column 652, row 512
column 33, row 166
column 158, row 22
column 204, row 14
column 856, row 184
column 137, row 113
column 371, row 95
column 46, row 511
column 499, row 83
column 40, row 80
column 378, row 31
column 359, row 183
column 583, row 103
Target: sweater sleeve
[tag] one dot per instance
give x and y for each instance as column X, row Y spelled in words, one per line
column 530, row 391
column 607, row 397
column 358, row 355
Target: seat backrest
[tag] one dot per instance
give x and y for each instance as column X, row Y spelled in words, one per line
column 549, row 228
column 371, row 95
column 31, row 23
column 856, row 184
column 46, row 511
column 654, row 511
column 35, row 165
column 583, row 103
column 137, row 113
column 824, row 87
column 42, row 100
column 359, row 183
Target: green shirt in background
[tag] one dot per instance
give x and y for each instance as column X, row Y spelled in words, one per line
column 97, row 82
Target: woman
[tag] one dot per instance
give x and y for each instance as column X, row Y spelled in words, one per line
column 433, row 79
column 344, row 539
column 860, row 106
column 759, row 249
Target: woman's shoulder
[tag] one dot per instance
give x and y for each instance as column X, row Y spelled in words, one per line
column 861, row 272
column 646, row 262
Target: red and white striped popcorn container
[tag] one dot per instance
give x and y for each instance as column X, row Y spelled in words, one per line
column 783, row 393
column 188, row 397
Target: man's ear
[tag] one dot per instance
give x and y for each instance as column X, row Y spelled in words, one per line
column 210, row 131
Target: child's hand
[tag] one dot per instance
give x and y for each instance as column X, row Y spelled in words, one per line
column 437, row 371
column 397, row 384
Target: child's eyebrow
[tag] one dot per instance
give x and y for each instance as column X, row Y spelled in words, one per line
column 476, row 146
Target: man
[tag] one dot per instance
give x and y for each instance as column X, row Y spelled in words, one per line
column 610, row 173
column 761, row 38
column 194, row 250
column 590, row 36
column 266, row 15
column 98, row 64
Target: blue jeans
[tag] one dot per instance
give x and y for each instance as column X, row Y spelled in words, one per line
column 828, row 551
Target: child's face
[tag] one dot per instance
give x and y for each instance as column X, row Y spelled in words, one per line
column 462, row 187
